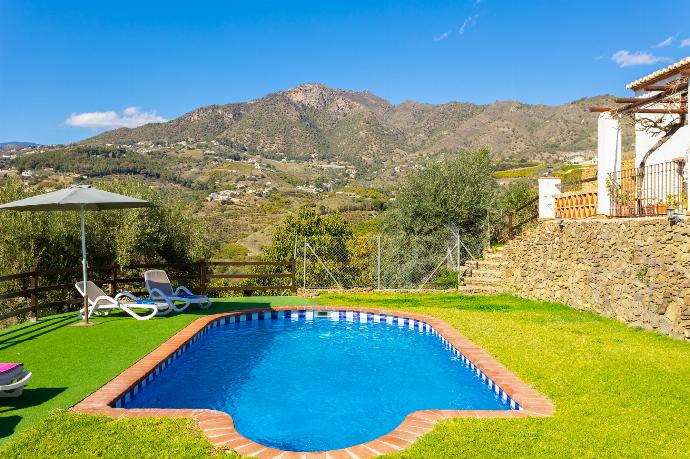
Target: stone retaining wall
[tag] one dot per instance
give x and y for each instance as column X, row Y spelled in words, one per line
column 636, row 270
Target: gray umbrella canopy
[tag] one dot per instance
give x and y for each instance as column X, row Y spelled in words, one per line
column 77, row 197
column 81, row 198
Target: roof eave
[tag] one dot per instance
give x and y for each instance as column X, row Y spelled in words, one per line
column 660, row 74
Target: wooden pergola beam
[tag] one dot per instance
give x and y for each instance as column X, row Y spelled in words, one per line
column 669, row 111
column 634, row 100
column 677, row 87
column 671, row 91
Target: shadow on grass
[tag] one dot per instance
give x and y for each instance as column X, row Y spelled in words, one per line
column 7, row 425
column 31, row 331
column 30, row 397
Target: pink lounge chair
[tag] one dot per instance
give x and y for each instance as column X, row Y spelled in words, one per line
column 13, row 378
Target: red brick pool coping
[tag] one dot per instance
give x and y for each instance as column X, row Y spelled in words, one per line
column 220, row 429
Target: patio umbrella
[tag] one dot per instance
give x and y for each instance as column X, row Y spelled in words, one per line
column 81, row 198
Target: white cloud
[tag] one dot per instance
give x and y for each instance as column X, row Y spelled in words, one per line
column 130, row 117
column 443, row 36
column 470, row 21
column 684, row 43
column 666, row 42
column 625, row 58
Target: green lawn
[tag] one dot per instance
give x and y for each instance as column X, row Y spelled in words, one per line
column 69, row 363
column 619, row 392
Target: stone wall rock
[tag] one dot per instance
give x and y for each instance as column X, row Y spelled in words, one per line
column 634, row 270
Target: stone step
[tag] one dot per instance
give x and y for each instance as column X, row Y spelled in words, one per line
column 486, row 263
column 479, row 281
column 490, row 264
column 479, row 289
column 486, row 272
column 493, row 256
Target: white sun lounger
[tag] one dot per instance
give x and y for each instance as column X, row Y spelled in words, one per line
column 160, row 288
column 102, row 304
column 13, row 378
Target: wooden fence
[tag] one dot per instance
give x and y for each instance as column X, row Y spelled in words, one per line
column 31, row 285
column 531, row 207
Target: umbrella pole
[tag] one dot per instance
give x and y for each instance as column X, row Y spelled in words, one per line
column 83, row 265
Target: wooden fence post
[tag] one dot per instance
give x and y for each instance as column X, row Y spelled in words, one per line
column 293, row 277
column 33, row 299
column 202, row 276
column 113, row 279
column 510, row 225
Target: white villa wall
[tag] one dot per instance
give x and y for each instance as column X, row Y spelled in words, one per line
column 609, row 158
column 675, row 147
column 644, row 140
column 549, row 187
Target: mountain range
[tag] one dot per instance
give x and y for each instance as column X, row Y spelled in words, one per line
column 316, row 121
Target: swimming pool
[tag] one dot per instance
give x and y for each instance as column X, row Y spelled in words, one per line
column 318, row 380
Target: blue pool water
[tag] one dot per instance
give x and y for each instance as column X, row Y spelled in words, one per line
column 320, row 384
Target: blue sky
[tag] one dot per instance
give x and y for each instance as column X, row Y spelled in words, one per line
column 70, row 69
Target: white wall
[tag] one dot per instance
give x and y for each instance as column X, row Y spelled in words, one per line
column 675, row 147
column 549, row 187
column 609, row 158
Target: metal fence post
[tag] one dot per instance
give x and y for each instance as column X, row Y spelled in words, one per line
column 293, row 278
column 378, row 263
column 33, row 298
column 457, row 255
column 304, row 264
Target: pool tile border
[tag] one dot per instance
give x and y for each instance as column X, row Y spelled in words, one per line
column 219, row 427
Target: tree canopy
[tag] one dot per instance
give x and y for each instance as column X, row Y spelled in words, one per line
column 457, row 191
column 169, row 232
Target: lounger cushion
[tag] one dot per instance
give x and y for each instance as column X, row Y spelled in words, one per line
column 187, row 296
column 9, row 372
column 143, row 301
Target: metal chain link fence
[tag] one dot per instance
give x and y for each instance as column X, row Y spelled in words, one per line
column 382, row 262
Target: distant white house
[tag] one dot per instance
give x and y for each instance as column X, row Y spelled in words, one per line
column 27, row 174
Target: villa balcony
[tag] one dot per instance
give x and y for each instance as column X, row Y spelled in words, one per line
column 648, row 191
